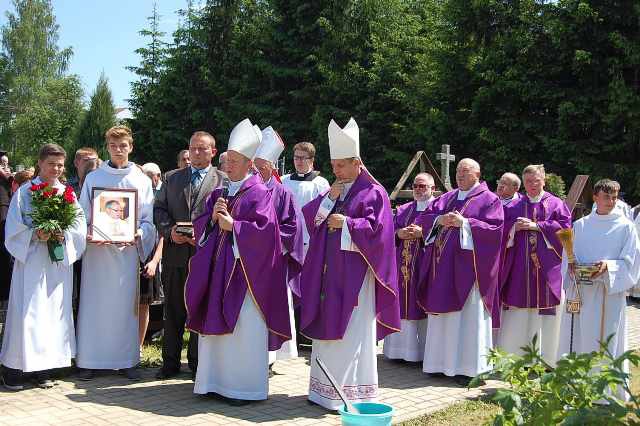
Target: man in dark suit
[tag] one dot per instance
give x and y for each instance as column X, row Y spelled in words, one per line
column 181, row 199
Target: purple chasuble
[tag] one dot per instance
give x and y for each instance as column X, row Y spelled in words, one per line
column 218, row 282
column 332, row 278
column 290, row 222
column 531, row 276
column 451, row 272
column 410, row 256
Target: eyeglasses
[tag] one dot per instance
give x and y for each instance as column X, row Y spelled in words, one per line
column 421, row 186
column 298, row 158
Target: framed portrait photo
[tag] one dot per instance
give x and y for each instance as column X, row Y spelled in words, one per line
column 114, row 215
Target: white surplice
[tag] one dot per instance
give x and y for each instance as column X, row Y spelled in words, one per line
column 635, row 290
column 352, row 359
column 612, row 238
column 458, row 343
column 303, row 193
column 39, row 333
column 408, row 344
column 108, row 311
column 236, row 365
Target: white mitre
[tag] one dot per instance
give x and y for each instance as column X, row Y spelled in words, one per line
column 344, row 143
column 244, row 139
column 271, row 146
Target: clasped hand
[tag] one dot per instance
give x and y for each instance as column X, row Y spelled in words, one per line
column 221, row 215
column 411, row 232
column 453, row 219
column 525, row 224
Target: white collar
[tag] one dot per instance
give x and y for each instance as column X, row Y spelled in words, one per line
column 235, row 186
column 463, row 194
column 347, row 187
column 422, row 205
column 123, row 171
column 537, row 198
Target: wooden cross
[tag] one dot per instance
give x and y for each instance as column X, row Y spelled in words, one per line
column 445, row 158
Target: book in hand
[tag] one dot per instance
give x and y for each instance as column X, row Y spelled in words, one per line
column 184, row 228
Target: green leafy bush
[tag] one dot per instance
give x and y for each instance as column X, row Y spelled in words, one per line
column 555, row 184
column 580, row 390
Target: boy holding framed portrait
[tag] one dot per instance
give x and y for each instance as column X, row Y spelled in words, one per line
column 117, row 199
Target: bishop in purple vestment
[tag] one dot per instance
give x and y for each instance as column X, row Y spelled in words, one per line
column 531, row 287
column 235, row 293
column 349, row 278
column 464, row 226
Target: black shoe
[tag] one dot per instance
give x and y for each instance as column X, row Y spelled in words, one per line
column 85, row 374
column 462, row 380
column 237, row 402
column 44, row 381
column 12, row 379
column 132, row 373
column 163, row 374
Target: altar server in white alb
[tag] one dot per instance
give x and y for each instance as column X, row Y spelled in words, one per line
column 412, row 257
column 349, row 290
column 38, row 332
column 290, row 224
column 108, row 312
column 608, row 239
column 305, row 184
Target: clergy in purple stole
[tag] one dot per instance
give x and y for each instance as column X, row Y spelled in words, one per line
column 408, row 344
column 531, row 280
column 464, row 227
column 290, row 223
column 235, row 295
column 349, row 279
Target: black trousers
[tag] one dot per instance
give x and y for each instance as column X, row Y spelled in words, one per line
column 175, row 317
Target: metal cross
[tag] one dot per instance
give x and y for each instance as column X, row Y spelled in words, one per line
column 445, row 158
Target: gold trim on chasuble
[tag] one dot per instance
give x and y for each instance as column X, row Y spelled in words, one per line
column 435, row 260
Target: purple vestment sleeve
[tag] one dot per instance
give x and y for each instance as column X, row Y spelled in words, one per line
column 290, row 224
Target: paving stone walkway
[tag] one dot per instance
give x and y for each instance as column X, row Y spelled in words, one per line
column 113, row 400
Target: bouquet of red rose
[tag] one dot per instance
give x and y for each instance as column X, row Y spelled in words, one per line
column 53, row 213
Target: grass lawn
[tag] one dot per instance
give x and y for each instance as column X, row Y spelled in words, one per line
column 151, row 356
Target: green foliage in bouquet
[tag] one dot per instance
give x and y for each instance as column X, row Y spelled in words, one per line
column 579, row 391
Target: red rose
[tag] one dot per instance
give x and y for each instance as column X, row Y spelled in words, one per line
column 54, row 191
column 44, row 184
column 34, row 187
column 69, row 197
column 47, row 194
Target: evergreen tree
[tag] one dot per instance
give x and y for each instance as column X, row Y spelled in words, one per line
column 145, row 101
column 98, row 118
column 32, row 76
